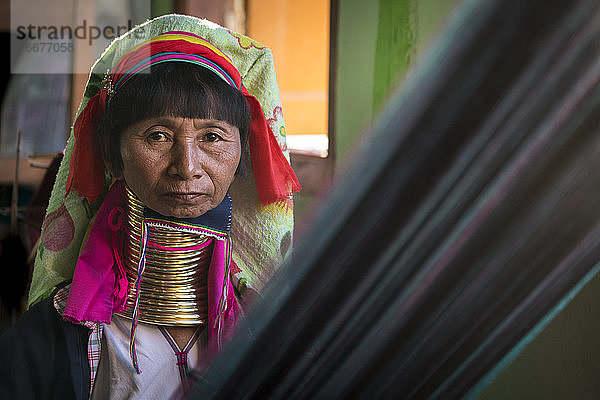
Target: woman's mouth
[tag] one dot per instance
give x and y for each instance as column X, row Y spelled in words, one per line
column 185, row 197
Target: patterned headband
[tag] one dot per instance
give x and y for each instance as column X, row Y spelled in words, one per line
column 274, row 177
column 176, row 46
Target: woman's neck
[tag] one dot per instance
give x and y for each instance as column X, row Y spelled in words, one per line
column 181, row 334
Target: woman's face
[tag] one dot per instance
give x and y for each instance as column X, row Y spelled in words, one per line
column 180, row 167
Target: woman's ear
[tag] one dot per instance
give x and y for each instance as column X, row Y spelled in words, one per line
column 116, row 176
column 243, row 166
column 115, row 172
column 111, row 154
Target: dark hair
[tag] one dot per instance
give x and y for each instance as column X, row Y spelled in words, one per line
column 176, row 89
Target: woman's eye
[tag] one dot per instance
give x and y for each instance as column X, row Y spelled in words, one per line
column 158, row 136
column 211, row 137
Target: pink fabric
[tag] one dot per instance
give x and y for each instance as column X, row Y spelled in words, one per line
column 99, row 287
column 216, row 278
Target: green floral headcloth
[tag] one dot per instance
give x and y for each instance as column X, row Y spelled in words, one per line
column 261, row 235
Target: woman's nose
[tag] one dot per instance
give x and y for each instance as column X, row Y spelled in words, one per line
column 186, row 161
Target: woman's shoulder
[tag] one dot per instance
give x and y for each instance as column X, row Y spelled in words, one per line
column 38, row 348
column 40, row 333
column 34, row 329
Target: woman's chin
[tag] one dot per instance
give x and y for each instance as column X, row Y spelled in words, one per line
column 181, row 211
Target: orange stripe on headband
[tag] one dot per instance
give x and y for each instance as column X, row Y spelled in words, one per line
column 192, row 39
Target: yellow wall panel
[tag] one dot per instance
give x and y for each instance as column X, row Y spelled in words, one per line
column 298, row 34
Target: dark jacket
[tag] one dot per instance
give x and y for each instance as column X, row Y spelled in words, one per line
column 44, row 357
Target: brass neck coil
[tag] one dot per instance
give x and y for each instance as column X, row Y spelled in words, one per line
column 173, row 285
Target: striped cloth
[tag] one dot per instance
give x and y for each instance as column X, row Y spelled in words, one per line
column 95, row 338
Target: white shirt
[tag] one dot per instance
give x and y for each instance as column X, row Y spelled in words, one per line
column 159, row 376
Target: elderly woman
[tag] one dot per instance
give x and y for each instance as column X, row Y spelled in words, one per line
column 173, row 196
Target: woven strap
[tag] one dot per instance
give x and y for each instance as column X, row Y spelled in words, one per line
column 182, row 355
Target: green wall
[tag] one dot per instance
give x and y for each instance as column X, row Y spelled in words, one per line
column 354, row 72
column 377, row 43
column 161, row 7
